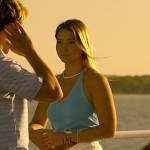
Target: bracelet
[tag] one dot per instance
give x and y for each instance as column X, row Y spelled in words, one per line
column 67, row 137
column 77, row 136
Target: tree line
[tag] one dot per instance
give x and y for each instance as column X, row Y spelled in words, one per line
column 130, row 84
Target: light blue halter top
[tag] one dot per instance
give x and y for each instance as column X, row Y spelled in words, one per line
column 74, row 112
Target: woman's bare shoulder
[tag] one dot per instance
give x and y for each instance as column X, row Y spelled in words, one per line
column 92, row 75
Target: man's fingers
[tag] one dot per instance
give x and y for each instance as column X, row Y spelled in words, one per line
column 6, row 31
column 13, row 29
column 9, row 44
column 20, row 28
column 10, row 27
column 9, row 39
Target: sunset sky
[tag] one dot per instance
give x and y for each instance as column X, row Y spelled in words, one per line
column 119, row 30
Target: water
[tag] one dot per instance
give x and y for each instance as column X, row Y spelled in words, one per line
column 133, row 114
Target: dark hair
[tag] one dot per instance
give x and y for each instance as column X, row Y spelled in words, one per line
column 11, row 11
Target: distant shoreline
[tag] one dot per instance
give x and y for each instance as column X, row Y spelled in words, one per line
column 130, row 84
column 142, row 94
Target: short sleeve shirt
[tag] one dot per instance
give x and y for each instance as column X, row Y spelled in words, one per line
column 17, row 86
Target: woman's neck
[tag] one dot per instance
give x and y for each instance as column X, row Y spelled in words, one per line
column 73, row 68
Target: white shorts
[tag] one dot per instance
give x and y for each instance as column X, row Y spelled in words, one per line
column 86, row 146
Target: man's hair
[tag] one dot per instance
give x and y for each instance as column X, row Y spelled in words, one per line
column 11, row 11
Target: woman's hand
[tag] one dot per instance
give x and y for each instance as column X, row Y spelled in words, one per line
column 51, row 138
column 17, row 39
column 46, row 139
column 36, row 137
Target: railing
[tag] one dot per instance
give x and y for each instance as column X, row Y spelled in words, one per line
column 132, row 134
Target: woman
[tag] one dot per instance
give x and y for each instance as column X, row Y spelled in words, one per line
column 86, row 113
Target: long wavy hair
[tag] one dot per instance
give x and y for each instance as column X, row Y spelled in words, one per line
column 81, row 35
column 11, row 11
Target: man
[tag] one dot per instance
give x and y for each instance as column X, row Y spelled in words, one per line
column 16, row 83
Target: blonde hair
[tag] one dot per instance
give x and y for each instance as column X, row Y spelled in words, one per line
column 11, row 11
column 81, row 34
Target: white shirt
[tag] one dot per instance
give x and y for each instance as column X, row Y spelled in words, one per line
column 16, row 85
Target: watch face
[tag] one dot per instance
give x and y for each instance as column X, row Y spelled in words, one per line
column 67, row 131
column 67, row 136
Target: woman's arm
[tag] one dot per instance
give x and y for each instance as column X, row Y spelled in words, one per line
column 37, row 132
column 102, row 99
column 39, row 121
column 40, row 116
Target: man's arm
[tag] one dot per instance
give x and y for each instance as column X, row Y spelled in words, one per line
column 20, row 43
column 50, row 88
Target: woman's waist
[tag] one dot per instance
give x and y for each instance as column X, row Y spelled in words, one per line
column 73, row 126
